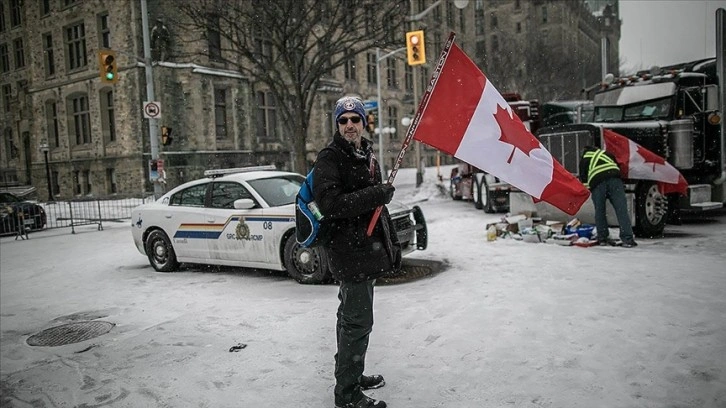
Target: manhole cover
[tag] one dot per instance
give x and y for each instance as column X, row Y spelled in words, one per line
column 411, row 271
column 69, row 333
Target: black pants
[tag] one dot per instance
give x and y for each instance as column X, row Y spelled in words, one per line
column 355, row 322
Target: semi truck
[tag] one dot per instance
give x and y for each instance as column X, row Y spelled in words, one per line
column 675, row 112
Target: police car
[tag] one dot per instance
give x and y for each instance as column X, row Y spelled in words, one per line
column 244, row 217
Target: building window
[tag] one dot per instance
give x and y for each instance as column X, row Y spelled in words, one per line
column 55, row 185
column 409, row 77
column 392, row 81
column 108, row 120
column 16, row 10
column 77, row 182
column 369, row 10
column 266, row 116
column 516, row 4
column 76, row 45
column 4, row 58
column 495, row 43
column 10, row 148
column 111, row 181
column 2, row 17
column 519, row 27
column 220, row 113
column 263, row 50
column 80, row 119
column 214, row 39
column 19, row 53
column 544, row 14
column 44, row 7
column 462, row 21
column 68, row 3
column 104, row 31
column 51, row 121
column 371, row 68
column 450, row 14
column 7, row 96
column 86, row 178
column 48, row 55
column 349, row 68
column 479, row 21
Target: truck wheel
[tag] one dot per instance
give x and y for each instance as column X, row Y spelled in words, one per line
column 651, row 208
column 476, row 193
column 160, row 252
column 305, row 265
column 486, row 196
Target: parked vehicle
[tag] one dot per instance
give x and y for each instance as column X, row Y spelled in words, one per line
column 244, row 217
column 567, row 112
column 483, row 189
column 486, row 191
column 675, row 113
column 17, row 215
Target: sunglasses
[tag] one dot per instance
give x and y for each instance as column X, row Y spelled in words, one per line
column 344, row 121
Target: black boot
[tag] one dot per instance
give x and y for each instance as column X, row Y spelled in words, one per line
column 365, row 402
column 371, row 382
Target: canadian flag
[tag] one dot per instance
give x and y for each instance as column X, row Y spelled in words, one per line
column 466, row 117
column 638, row 163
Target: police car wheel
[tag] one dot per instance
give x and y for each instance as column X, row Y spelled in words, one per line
column 305, row 265
column 160, row 252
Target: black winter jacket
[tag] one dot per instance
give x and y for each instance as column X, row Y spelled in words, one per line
column 345, row 192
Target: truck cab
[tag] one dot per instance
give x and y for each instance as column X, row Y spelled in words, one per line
column 674, row 112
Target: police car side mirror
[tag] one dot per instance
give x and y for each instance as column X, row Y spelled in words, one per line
column 244, row 204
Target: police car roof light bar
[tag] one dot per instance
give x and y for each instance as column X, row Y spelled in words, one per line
column 222, row 172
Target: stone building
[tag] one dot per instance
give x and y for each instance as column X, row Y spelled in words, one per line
column 53, row 100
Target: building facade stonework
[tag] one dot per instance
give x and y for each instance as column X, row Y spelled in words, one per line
column 98, row 139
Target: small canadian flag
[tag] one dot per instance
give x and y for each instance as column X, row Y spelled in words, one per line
column 638, row 163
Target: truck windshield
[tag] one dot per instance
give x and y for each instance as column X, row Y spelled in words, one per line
column 657, row 109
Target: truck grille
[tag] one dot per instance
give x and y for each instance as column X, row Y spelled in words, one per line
column 402, row 223
column 566, row 147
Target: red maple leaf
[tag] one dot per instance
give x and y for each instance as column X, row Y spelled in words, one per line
column 650, row 157
column 514, row 133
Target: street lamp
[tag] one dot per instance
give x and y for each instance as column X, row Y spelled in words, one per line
column 45, row 148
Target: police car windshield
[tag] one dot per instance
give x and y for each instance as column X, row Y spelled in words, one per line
column 277, row 191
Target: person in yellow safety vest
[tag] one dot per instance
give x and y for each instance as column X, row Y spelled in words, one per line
column 600, row 173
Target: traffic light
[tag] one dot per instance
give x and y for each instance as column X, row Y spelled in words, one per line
column 415, row 47
column 166, row 138
column 107, row 66
column 371, row 126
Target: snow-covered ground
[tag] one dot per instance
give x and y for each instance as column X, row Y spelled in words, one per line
column 506, row 323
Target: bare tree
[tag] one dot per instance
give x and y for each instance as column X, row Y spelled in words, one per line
column 290, row 45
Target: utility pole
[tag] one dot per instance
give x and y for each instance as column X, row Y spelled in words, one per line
column 153, row 126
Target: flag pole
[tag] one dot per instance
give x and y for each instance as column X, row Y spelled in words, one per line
column 414, row 123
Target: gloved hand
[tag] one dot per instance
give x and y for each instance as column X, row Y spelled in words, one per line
column 387, row 192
